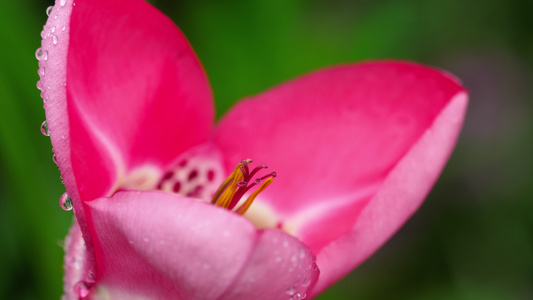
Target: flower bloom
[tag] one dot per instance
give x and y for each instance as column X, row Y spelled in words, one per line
column 355, row 150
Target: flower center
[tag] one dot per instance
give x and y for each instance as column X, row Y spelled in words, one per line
column 240, row 182
column 196, row 174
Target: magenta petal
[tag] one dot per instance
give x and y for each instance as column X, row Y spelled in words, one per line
column 280, row 267
column 78, row 264
column 166, row 246
column 335, row 138
column 134, row 89
column 53, row 77
column 399, row 197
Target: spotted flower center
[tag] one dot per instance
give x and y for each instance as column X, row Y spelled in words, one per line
column 199, row 174
column 240, row 182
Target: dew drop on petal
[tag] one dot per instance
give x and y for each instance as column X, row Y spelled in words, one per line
column 52, row 29
column 54, row 39
column 39, row 53
column 39, row 85
column 49, row 10
column 65, row 202
column 81, row 289
column 90, row 278
column 290, row 291
column 307, row 281
column 44, row 55
column 63, row 2
column 54, row 158
column 44, row 128
column 41, row 71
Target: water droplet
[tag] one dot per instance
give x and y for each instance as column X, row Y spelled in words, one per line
column 39, row 85
column 303, row 296
column 296, row 296
column 65, row 202
column 39, row 53
column 307, row 281
column 81, row 289
column 53, row 29
column 54, row 158
column 49, row 10
column 44, row 55
column 290, row 291
column 54, row 39
column 44, row 128
column 63, row 2
column 63, row 29
column 90, row 279
column 41, row 71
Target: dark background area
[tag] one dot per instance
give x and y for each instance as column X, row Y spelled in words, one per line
column 473, row 237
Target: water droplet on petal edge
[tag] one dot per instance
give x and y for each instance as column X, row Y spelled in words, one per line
column 65, row 202
column 49, row 10
column 44, row 128
column 39, row 53
column 81, row 289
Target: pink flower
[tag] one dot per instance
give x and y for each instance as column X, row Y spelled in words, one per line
column 356, row 149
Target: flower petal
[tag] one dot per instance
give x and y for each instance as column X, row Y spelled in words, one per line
column 165, row 246
column 134, row 91
column 77, row 263
column 52, row 58
column 400, row 195
column 334, row 138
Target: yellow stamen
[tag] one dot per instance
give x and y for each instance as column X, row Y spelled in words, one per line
column 236, row 185
column 228, row 188
column 244, row 207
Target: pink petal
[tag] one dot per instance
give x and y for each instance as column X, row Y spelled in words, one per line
column 165, row 246
column 399, row 197
column 134, row 91
column 77, row 263
column 53, row 73
column 335, row 138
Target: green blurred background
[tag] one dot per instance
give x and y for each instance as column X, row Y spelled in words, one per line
column 473, row 237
